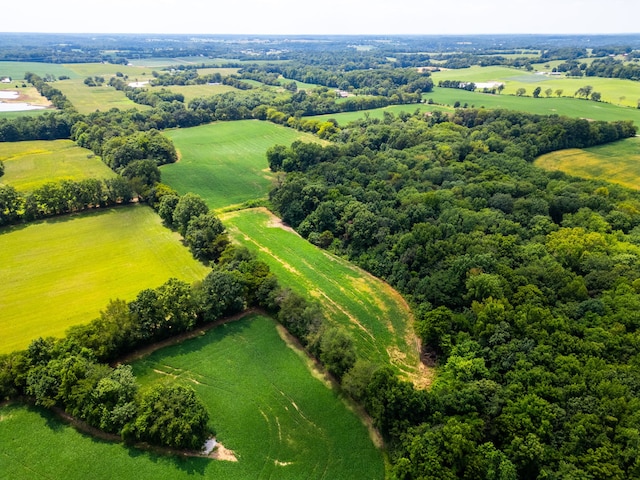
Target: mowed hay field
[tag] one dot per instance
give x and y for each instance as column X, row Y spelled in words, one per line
column 279, row 421
column 64, row 271
column 375, row 315
column 225, row 163
column 31, row 164
column 617, row 162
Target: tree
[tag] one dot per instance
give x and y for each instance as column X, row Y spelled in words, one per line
column 521, row 91
column 536, row 92
column 171, row 416
column 548, row 92
column 189, row 206
column 596, row 96
column 559, row 92
column 204, row 236
column 1, row 168
column 337, row 352
column 584, row 91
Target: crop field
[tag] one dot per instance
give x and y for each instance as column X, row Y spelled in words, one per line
column 16, row 70
column 83, row 70
column 617, row 162
column 613, row 90
column 63, row 271
column 571, row 107
column 279, row 420
column 375, row 315
column 30, row 164
column 225, row 163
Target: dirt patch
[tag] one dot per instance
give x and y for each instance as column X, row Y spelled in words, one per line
column 220, row 452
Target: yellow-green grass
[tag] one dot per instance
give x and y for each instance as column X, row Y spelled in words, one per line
column 617, row 162
column 613, row 90
column 571, row 107
column 264, row 404
column 374, row 314
column 64, row 271
column 225, row 162
column 195, row 91
column 30, row 164
column 107, row 70
column 90, row 99
column 17, row 70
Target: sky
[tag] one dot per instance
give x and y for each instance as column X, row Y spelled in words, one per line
column 289, row 17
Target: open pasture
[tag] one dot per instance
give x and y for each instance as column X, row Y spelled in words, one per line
column 225, row 162
column 617, row 162
column 613, row 90
column 30, row 164
column 571, row 107
column 63, row 271
column 264, row 403
column 375, row 315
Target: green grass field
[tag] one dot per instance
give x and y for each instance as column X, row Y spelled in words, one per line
column 375, row 315
column 63, row 271
column 29, row 165
column 613, row 90
column 617, row 162
column 265, row 405
column 571, row 107
column 225, row 163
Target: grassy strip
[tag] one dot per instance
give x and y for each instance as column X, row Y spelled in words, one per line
column 29, row 165
column 617, row 162
column 225, row 163
column 376, row 316
column 63, row 271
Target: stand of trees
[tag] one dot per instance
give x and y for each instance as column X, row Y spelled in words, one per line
column 525, row 286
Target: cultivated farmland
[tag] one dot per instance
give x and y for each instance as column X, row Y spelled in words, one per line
column 30, row 164
column 617, row 162
column 225, row 163
column 63, row 271
column 279, row 421
column 375, row 315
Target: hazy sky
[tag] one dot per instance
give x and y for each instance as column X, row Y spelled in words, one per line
column 324, row 16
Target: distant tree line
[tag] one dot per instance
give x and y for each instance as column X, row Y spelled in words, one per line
column 612, row 68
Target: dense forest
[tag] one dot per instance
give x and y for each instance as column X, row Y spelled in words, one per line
column 525, row 285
